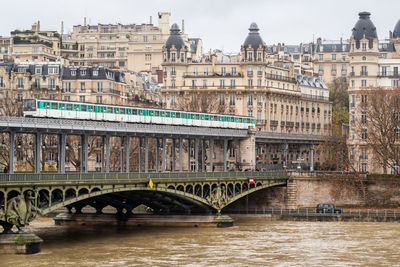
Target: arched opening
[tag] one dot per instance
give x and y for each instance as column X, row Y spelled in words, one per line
column 259, row 184
column 189, row 189
column 70, row 193
column 245, row 187
column 180, row 188
column 238, row 188
column 171, row 187
column 197, row 190
column 1, row 199
column 83, row 191
column 56, row 196
column 95, row 190
column 44, row 198
column 12, row 193
column 230, row 191
column 206, row 191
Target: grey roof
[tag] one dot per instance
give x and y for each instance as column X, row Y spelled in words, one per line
column 253, row 38
column 396, row 31
column 364, row 27
column 175, row 38
column 386, row 47
column 310, row 81
column 83, row 72
column 339, row 47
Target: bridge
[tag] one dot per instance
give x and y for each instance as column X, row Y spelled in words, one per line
column 190, row 176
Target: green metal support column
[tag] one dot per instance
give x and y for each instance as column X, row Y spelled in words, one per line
column 127, row 150
column 107, row 154
column 11, row 153
column 180, row 153
column 157, row 154
column 225, row 151
column 164, row 154
column 38, row 143
column 173, row 155
column 61, row 153
column 196, row 154
column 140, row 154
column 146, row 154
column 188, row 154
column 211, row 155
column 203, row 155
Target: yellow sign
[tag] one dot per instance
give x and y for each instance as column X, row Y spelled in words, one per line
column 151, row 184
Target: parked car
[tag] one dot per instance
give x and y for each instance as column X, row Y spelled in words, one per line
column 328, row 208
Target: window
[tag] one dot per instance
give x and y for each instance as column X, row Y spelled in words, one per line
column 232, row 100
column 37, row 83
column 205, row 71
column 99, row 87
column 83, row 72
column 82, row 98
column 20, row 83
column 344, row 57
column 250, row 113
column 259, row 83
column 95, row 73
column 67, row 87
column 364, row 134
column 173, row 71
column 249, row 71
column 363, row 83
column 194, row 82
column 384, row 71
column 147, row 57
column 173, row 83
column 321, row 57
column 363, row 117
column 52, row 84
column 233, row 83
column 321, row 68
column 204, row 83
column 395, row 83
column 231, row 152
column 73, row 72
column 259, row 115
column 352, row 100
column 1, row 82
column 250, row 83
column 195, row 72
column 250, row 56
column 173, row 101
column 145, row 38
column 364, row 46
column 223, row 71
column 364, row 99
column 53, row 70
column 333, row 68
column 233, row 71
column 221, row 83
column 250, row 100
column 333, row 56
column 364, row 71
column 364, row 167
column 173, row 57
column 259, row 103
column 83, row 86
column 221, row 100
column 20, row 98
column 38, row 70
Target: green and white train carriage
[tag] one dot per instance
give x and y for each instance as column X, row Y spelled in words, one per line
column 101, row 112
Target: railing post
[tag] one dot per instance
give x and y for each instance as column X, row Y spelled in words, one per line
column 203, row 155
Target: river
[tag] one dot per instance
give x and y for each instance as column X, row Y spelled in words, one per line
column 251, row 242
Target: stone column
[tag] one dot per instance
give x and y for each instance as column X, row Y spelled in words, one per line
column 146, row 154
column 38, row 143
column 11, row 153
column 61, row 153
column 173, row 155
column 225, row 151
column 312, row 158
column 196, row 154
column 164, row 154
column 127, row 153
column 180, row 154
column 285, row 154
column 211, row 155
column 121, row 154
column 247, row 148
column 108, row 153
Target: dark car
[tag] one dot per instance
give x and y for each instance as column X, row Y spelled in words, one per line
column 328, row 208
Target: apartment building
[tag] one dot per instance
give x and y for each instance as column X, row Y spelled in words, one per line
column 248, row 84
column 372, row 64
column 5, row 44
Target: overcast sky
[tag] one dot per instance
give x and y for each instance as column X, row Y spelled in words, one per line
column 221, row 24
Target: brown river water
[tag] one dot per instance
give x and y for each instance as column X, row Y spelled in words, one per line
column 251, row 242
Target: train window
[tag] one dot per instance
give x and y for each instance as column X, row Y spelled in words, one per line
column 173, row 114
column 168, row 114
column 135, row 112
column 140, row 112
column 83, row 107
column 154, row 112
column 109, row 109
column 69, row 106
column 75, row 107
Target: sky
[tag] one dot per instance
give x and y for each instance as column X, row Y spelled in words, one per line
column 221, row 24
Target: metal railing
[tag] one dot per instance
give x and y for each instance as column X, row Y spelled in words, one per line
column 118, row 176
column 311, row 212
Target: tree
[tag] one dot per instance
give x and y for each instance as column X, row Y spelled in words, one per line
column 378, row 125
column 202, row 102
column 339, row 95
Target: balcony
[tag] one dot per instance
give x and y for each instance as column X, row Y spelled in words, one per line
column 282, row 124
column 317, row 97
column 389, row 74
column 249, row 73
column 363, row 157
column 273, row 123
column 259, row 73
column 289, row 124
column 207, row 75
column 364, row 73
column 279, row 77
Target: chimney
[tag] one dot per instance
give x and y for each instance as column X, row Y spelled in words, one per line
column 38, row 26
column 84, row 21
column 183, row 26
column 151, row 20
column 62, row 27
column 390, row 35
column 319, row 40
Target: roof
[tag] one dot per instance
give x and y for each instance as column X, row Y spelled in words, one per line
column 253, row 38
column 310, row 81
column 174, row 38
column 396, row 31
column 194, row 42
column 364, row 28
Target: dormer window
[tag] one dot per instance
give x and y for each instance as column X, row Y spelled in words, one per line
column 53, row 70
column 83, row 72
column 95, row 73
column 250, row 57
column 73, row 72
column 38, row 70
column 173, row 57
column 364, row 46
column 21, row 69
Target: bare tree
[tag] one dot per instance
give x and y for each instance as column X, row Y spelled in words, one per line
column 202, row 102
column 378, row 125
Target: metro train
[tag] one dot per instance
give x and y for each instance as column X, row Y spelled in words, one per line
column 101, row 112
